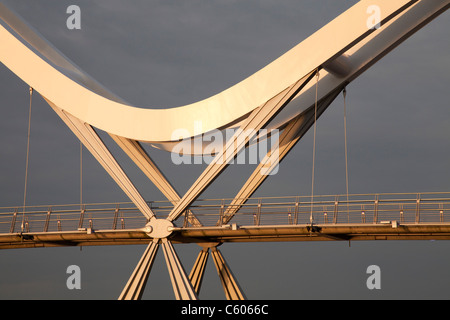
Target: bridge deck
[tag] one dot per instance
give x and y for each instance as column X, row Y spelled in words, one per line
column 417, row 216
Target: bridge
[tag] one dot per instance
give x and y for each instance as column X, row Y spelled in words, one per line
column 422, row 216
column 283, row 100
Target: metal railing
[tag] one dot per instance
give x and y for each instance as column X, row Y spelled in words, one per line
column 404, row 208
column 336, row 209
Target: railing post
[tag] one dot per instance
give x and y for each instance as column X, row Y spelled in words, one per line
column 418, row 208
column 47, row 219
column 185, row 218
column 297, row 200
column 80, row 222
column 58, row 223
column 13, row 221
column 222, row 211
column 335, row 213
column 363, row 214
column 116, row 215
column 27, row 225
column 258, row 213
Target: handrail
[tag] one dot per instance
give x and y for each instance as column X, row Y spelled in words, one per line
column 427, row 207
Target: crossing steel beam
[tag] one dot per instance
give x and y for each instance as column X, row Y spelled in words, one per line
column 143, row 160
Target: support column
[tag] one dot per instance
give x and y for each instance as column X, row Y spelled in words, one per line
column 229, row 283
column 142, row 159
column 198, row 270
column 136, row 284
column 182, row 287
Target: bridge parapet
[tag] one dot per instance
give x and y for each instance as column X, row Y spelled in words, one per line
column 383, row 208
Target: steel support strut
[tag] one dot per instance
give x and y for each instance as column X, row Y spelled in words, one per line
column 143, row 160
column 229, row 282
column 257, row 120
column 95, row 145
column 198, row 270
column 182, row 287
column 136, row 284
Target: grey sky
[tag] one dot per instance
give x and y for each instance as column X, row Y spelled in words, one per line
column 171, row 53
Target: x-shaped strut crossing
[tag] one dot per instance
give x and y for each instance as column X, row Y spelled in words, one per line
column 184, row 286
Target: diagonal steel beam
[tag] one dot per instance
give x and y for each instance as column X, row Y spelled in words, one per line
column 182, row 287
column 229, row 282
column 95, row 145
column 256, row 121
column 198, row 270
column 293, row 132
column 135, row 286
column 143, row 160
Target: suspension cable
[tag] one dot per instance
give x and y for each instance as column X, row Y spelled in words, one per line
column 344, row 92
column 27, row 161
column 311, row 218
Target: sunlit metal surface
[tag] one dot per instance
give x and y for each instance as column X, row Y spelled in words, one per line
column 362, row 217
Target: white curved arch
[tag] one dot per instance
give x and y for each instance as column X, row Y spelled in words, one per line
column 66, row 86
